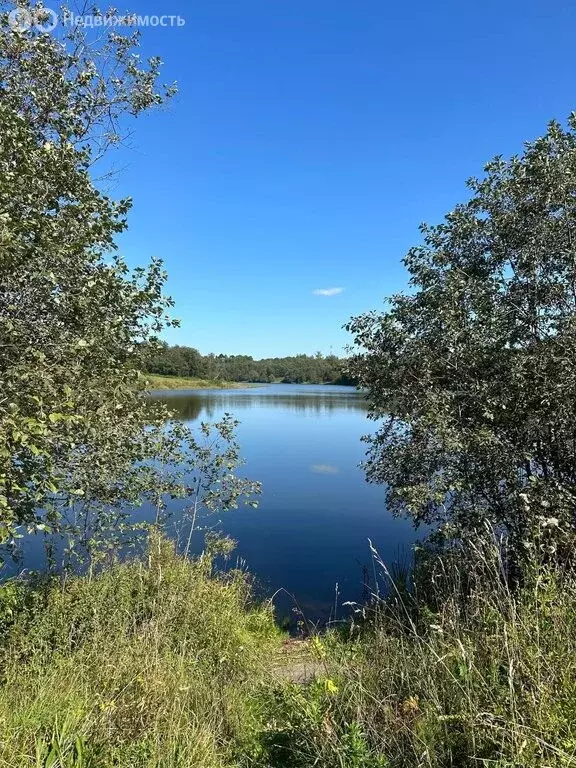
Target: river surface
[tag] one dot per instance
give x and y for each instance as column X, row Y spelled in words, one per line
column 309, row 535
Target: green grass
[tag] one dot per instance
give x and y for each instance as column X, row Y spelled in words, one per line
column 487, row 679
column 160, row 662
column 175, row 382
column 153, row 663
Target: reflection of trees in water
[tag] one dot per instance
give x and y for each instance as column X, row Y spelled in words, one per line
column 190, row 407
column 186, row 407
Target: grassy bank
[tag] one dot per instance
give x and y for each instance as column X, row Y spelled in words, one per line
column 152, row 663
column 175, row 382
column 163, row 663
column 487, row 678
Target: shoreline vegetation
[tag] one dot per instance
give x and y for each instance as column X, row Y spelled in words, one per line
column 188, row 362
column 165, row 383
column 159, row 383
column 162, row 661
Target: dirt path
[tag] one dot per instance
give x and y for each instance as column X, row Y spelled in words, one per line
column 296, row 663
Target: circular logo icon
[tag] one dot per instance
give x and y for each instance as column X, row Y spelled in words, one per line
column 40, row 19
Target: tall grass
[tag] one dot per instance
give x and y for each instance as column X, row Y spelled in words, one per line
column 163, row 663
column 151, row 663
column 486, row 679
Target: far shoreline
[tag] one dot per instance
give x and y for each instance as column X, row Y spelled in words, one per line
column 158, row 383
column 166, row 383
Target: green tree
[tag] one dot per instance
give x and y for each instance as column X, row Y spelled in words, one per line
column 76, row 325
column 187, row 361
column 471, row 374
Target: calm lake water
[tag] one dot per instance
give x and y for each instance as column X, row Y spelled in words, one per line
column 309, row 535
column 310, row 532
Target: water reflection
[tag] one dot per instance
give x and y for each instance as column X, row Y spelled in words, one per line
column 311, row 399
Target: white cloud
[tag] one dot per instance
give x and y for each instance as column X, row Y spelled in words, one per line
column 324, row 469
column 327, row 291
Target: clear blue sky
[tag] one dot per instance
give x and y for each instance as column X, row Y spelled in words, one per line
column 311, row 137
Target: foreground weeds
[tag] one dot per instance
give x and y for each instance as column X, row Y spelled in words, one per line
column 486, row 679
column 163, row 663
column 152, row 663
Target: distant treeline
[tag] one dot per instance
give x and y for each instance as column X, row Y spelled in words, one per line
column 188, row 362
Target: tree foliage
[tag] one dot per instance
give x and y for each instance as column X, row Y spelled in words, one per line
column 76, row 324
column 472, row 372
column 297, row 369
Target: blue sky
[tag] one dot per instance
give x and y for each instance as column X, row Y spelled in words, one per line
column 308, row 141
